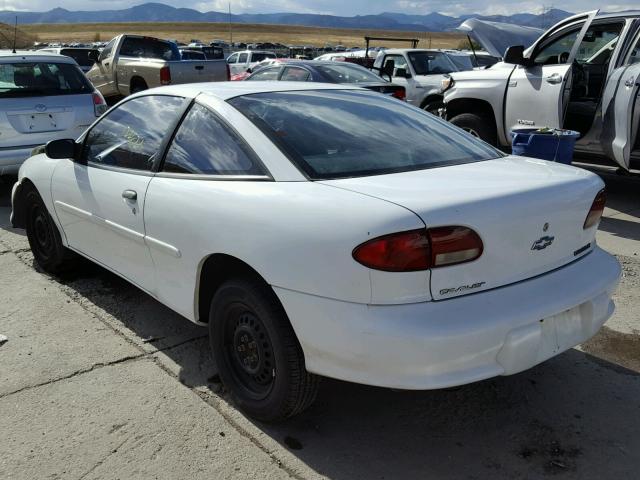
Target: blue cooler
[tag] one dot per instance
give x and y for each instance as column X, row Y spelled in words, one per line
column 555, row 145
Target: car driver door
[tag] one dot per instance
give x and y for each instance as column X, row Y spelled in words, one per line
column 621, row 109
column 99, row 198
column 537, row 94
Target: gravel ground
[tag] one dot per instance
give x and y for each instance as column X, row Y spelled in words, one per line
column 98, row 380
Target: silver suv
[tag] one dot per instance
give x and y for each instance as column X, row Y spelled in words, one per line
column 42, row 97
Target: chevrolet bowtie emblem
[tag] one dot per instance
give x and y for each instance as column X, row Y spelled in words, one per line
column 542, row 243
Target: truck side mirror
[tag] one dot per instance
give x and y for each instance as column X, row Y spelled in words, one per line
column 515, row 55
column 389, row 67
column 93, row 55
column 403, row 73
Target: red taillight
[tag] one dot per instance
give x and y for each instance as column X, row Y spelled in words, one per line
column 99, row 105
column 420, row 249
column 165, row 76
column 597, row 208
column 400, row 93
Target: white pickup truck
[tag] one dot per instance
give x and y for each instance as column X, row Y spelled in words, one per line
column 131, row 63
column 582, row 74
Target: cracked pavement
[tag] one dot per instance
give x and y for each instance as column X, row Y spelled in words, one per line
column 100, row 381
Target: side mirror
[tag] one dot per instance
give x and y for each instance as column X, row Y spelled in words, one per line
column 93, row 55
column 389, row 67
column 403, row 73
column 58, row 149
column 515, row 55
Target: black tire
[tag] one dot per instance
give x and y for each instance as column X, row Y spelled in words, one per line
column 138, row 86
column 43, row 235
column 433, row 107
column 257, row 353
column 478, row 125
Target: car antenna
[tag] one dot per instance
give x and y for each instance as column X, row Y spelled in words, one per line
column 15, row 34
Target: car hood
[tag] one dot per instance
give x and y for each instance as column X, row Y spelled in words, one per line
column 496, row 37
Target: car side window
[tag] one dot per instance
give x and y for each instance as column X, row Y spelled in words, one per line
column 106, row 51
column 295, row 74
column 233, row 58
column 634, row 53
column 557, row 49
column 243, row 58
column 265, row 74
column 204, row 145
column 399, row 62
column 130, row 135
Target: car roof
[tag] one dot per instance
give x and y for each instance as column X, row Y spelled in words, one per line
column 227, row 90
column 33, row 56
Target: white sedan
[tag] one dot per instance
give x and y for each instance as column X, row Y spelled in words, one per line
column 326, row 230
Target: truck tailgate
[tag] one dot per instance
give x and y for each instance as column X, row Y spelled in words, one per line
column 193, row 71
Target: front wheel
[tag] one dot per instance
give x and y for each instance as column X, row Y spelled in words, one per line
column 257, row 353
column 43, row 236
column 477, row 125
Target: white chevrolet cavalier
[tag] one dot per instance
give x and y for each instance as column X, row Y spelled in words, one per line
column 326, row 230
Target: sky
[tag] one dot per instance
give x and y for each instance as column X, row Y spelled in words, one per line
column 333, row 7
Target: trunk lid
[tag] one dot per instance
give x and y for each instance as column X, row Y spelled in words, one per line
column 36, row 120
column 529, row 214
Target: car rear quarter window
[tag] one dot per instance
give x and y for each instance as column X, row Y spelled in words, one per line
column 40, row 79
column 204, row 145
column 345, row 73
column 295, row 74
column 265, row 74
column 130, row 135
column 350, row 133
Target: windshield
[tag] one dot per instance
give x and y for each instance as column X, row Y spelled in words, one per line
column 462, row 62
column 431, row 63
column 351, row 133
column 41, row 78
column 258, row 57
column 80, row 55
column 342, row 73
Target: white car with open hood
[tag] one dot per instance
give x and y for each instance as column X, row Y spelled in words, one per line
column 276, row 214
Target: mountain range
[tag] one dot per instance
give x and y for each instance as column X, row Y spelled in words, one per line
column 159, row 12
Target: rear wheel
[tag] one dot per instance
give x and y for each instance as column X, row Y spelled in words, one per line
column 477, row 125
column 43, row 236
column 257, row 353
column 138, row 85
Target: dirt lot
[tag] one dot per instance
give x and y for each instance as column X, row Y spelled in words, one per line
column 97, row 380
column 242, row 32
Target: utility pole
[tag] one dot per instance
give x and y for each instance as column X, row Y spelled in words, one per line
column 230, row 32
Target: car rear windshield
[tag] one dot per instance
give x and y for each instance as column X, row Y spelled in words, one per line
column 352, row 133
column 342, row 73
column 431, row 63
column 80, row 55
column 258, row 57
column 41, row 78
column 149, row 48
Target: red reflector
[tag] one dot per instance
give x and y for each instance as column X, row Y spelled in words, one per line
column 400, row 93
column 597, row 208
column 452, row 245
column 165, row 76
column 420, row 249
column 399, row 252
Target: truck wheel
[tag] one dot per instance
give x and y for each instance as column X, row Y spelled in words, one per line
column 257, row 353
column 477, row 125
column 44, row 238
column 138, row 85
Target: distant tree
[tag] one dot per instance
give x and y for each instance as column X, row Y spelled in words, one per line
column 96, row 37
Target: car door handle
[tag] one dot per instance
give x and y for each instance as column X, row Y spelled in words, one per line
column 554, row 79
column 129, row 194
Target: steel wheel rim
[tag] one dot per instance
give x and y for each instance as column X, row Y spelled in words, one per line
column 42, row 238
column 248, row 351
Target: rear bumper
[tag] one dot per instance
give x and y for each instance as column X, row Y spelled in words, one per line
column 462, row 340
column 12, row 157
